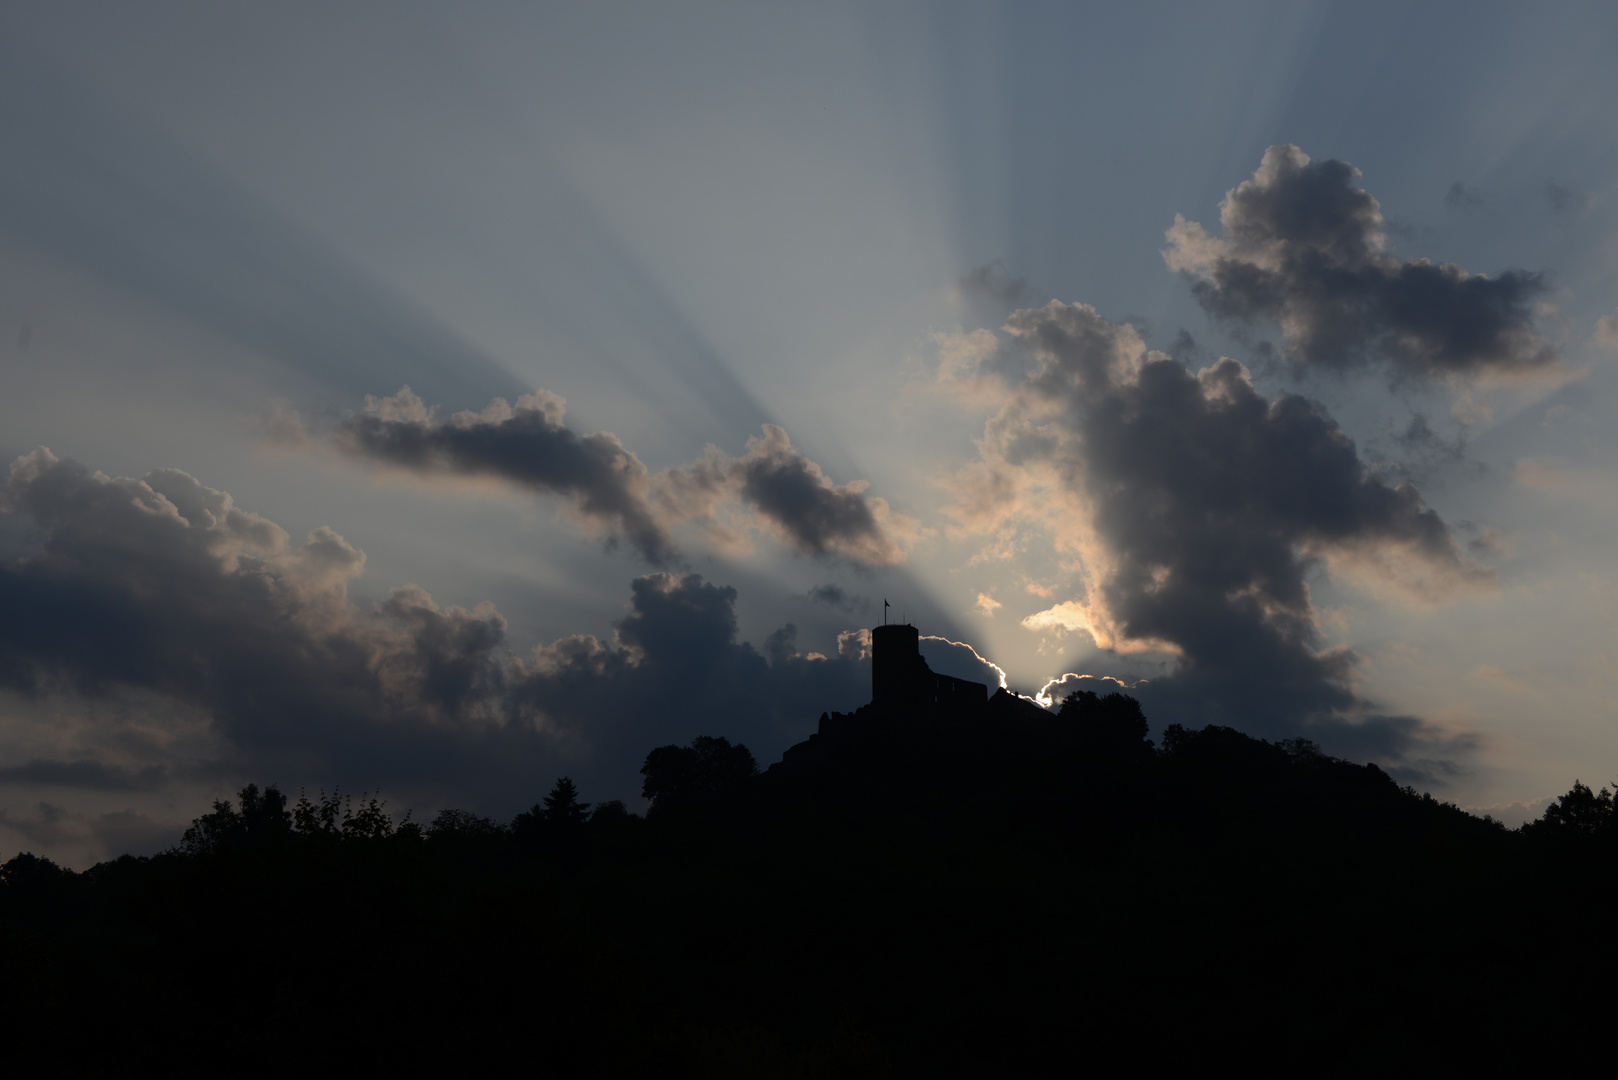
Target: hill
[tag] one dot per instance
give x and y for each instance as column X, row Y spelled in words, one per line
column 1009, row 889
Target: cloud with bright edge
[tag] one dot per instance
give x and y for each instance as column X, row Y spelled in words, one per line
column 164, row 587
column 1192, row 506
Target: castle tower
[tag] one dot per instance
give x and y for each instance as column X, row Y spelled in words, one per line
column 899, row 675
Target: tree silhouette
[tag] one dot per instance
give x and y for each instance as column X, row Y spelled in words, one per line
column 1581, row 812
column 558, row 813
column 323, row 817
column 369, row 822
column 1112, row 727
column 984, row 845
column 696, row 775
column 562, row 805
column 263, row 819
column 462, row 823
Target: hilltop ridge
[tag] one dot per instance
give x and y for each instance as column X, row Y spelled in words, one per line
column 920, row 884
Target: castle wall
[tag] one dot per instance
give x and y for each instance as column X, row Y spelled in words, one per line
column 952, row 692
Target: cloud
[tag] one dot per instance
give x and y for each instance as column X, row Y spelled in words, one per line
column 73, row 837
column 1562, row 479
column 1463, row 196
column 527, row 445
column 791, row 497
column 1304, row 247
column 975, row 368
column 129, row 832
column 1564, row 199
column 1498, row 677
column 989, row 293
column 48, row 826
column 835, row 596
column 1070, row 616
column 1607, row 331
column 1197, row 509
column 772, row 487
column 164, row 586
column 674, row 669
column 283, row 429
column 87, row 775
column 961, row 660
column 1550, row 474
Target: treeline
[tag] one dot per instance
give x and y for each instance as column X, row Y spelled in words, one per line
column 1032, row 896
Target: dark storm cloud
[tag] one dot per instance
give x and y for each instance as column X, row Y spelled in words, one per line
column 1303, row 247
column 806, row 508
column 1200, row 508
column 773, row 485
column 163, row 585
column 526, row 445
column 89, row 775
column 777, row 489
column 675, row 665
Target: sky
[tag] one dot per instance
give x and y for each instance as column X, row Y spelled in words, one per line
column 437, row 400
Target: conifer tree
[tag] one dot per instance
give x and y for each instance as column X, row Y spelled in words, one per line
column 562, row 805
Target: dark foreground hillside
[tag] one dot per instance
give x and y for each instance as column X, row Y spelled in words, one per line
column 1031, row 895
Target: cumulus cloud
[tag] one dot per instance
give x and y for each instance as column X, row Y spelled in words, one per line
column 772, row 487
column 782, row 491
column 524, row 444
column 975, row 368
column 1197, row 508
column 1304, row 247
column 675, row 664
column 164, row 586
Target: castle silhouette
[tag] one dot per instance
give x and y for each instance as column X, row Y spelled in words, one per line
column 907, row 699
column 901, row 679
